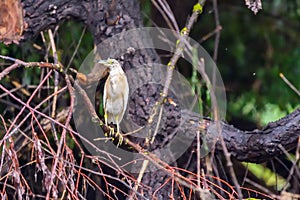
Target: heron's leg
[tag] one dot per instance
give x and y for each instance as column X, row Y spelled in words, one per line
column 111, row 130
column 118, row 134
column 105, row 117
column 118, row 126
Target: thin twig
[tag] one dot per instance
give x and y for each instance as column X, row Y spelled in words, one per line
column 76, row 49
column 56, row 75
column 181, row 44
column 27, row 64
column 289, row 84
column 167, row 10
column 210, row 34
column 198, row 159
column 217, row 37
column 8, row 69
column 293, row 169
column 12, row 90
column 172, row 26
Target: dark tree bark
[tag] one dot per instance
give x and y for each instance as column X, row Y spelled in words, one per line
column 105, row 18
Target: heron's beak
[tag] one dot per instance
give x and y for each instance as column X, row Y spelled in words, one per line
column 104, row 62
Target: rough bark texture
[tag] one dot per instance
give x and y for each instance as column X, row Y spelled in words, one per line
column 252, row 146
column 262, row 145
column 105, row 18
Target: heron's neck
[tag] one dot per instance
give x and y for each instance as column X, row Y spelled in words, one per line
column 116, row 71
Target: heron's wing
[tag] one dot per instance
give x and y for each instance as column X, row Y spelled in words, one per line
column 125, row 96
column 105, row 92
column 111, row 104
column 110, row 117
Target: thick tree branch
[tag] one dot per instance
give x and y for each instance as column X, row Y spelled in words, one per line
column 262, row 145
column 251, row 146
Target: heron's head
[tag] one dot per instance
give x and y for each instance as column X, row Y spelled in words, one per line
column 110, row 63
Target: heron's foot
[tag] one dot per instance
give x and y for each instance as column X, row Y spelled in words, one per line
column 111, row 131
column 120, row 138
column 112, row 135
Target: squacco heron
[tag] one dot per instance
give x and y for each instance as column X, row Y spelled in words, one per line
column 115, row 95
